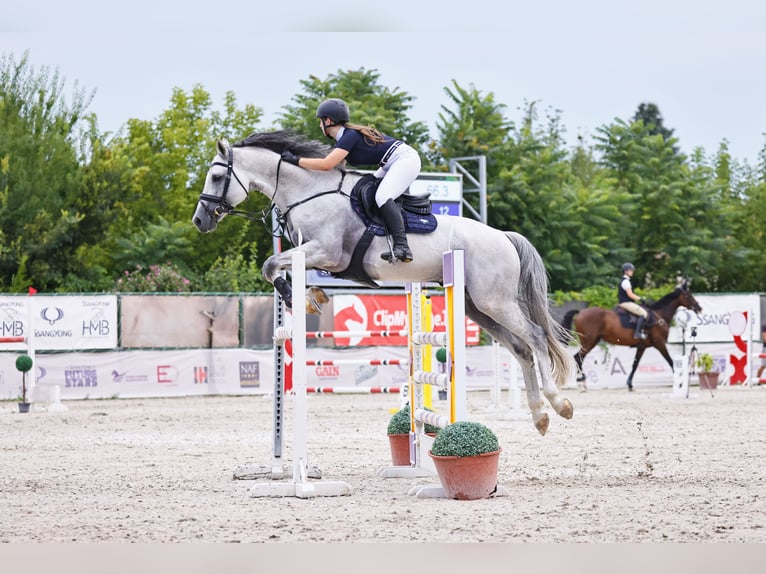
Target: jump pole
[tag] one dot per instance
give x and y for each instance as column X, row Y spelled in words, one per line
column 282, row 365
column 299, row 486
column 453, row 381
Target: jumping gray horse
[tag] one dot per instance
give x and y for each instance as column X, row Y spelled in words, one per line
column 506, row 281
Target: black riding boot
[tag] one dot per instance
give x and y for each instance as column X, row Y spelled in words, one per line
column 392, row 215
column 639, row 333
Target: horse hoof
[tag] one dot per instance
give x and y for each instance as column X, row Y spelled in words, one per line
column 542, row 424
column 567, row 410
column 315, row 297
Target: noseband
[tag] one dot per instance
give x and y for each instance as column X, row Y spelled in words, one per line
column 221, row 205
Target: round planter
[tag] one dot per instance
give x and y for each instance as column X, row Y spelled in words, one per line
column 468, row 477
column 23, row 407
column 708, row 380
column 400, row 449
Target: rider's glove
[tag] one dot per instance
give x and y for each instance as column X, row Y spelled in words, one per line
column 290, row 157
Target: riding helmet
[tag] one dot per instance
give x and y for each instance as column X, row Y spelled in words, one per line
column 628, row 267
column 335, row 109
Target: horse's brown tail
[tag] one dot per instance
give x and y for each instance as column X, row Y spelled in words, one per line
column 533, row 290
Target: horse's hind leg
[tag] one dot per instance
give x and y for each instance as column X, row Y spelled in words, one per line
column 526, row 360
column 534, row 334
column 532, row 376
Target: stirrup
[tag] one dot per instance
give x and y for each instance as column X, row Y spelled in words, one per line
column 401, row 254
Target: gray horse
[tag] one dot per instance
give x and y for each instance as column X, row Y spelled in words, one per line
column 506, row 281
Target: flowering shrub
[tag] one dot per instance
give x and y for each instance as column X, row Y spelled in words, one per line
column 165, row 278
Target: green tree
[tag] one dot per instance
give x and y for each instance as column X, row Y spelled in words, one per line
column 650, row 115
column 162, row 167
column 674, row 219
column 369, row 102
column 476, row 126
column 40, row 175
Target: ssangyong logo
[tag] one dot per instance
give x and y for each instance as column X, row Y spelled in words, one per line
column 52, row 315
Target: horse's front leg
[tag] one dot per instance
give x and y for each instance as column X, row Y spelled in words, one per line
column 639, row 353
column 272, row 272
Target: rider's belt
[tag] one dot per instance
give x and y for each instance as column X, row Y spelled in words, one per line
column 389, row 153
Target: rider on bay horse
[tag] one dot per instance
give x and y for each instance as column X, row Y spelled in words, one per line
column 398, row 165
column 628, row 300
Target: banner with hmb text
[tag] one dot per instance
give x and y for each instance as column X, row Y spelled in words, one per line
column 72, row 322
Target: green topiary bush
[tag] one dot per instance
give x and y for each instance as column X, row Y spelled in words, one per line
column 465, row 438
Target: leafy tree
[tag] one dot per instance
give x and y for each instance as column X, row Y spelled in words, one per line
column 477, row 126
column 650, row 115
column 163, row 164
column 745, row 202
column 670, row 220
column 40, row 177
column 369, row 103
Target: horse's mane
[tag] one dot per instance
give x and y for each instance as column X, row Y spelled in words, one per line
column 281, row 140
column 666, row 299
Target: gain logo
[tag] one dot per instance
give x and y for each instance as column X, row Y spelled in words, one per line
column 52, row 316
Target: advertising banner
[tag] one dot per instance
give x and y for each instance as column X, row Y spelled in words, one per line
column 145, row 373
column 386, row 313
column 712, row 325
column 61, row 323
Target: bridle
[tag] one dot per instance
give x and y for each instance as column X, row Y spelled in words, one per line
column 221, row 205
column 224, row 207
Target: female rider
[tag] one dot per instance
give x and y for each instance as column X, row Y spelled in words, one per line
column 398, row 165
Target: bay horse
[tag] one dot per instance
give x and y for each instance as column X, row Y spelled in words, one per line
column 506, row 296
column 595, row 324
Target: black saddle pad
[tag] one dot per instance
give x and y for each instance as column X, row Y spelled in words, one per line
column 628, row 320
column 416, row 210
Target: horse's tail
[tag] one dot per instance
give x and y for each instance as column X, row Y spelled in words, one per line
column 566, row 322
column 533, row 292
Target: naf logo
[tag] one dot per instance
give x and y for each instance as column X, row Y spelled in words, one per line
column 249, row 374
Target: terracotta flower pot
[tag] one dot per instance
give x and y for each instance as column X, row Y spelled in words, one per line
column 468, row 477
column 708, row 380
column 400, row 449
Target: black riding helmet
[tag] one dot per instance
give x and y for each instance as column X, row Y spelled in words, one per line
column 628, row 267
column 335, row 109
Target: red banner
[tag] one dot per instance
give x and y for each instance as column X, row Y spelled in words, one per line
column 386, row 313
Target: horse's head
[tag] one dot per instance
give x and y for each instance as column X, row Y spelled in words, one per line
column 219, row 196
column 687, row 299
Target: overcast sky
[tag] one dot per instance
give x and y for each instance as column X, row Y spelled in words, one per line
column 701, row 61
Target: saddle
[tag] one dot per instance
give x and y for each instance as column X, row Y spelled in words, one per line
column 416, row 209
column 416, row 213
column 628, row 320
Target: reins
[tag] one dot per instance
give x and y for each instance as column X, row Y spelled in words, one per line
column 224, row 207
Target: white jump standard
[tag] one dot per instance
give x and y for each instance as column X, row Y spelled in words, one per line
column 298, row 484
column 453, row 381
